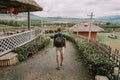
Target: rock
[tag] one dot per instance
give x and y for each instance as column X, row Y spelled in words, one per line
column 98, row 77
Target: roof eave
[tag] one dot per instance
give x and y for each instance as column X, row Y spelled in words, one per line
column 19, row 5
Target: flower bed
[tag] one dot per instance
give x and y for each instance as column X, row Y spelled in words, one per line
column 96, row 62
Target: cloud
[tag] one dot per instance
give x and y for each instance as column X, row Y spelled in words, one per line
column 78, row 8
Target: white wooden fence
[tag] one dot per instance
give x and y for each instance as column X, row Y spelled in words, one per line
column 8, row 43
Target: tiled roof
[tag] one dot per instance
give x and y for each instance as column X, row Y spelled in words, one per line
column 82, row 28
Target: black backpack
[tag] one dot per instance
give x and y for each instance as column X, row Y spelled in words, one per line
column 59, row 41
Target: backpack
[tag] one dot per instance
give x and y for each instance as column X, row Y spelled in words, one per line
column 59, row 41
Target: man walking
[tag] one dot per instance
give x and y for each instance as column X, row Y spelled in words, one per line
column 60, row 43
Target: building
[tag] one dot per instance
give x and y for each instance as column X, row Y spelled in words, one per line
column 8, row 43
column 83, row 30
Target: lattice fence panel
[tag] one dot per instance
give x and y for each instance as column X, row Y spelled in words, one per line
column 10, row 42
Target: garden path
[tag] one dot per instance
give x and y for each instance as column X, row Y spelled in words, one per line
column 42, row 66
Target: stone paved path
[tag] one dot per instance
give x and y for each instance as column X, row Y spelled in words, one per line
column 42, row 66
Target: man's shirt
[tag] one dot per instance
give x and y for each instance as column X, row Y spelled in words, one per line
column 56, row 35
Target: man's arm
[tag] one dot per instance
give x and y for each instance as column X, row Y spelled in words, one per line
column 65, row 41
column 54, row 41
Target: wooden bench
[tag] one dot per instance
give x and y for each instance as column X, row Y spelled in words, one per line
column 8, row 59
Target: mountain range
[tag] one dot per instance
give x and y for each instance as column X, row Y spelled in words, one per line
column 111, row 18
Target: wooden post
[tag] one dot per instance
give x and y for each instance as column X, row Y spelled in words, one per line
column 78, row 29
column 43, row 30
column 91, row 19
column 66, row 27
column 29, row 22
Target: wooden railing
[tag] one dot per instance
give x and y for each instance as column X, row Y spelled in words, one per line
column 8, row 43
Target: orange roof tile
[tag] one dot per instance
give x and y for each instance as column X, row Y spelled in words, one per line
column 82, row 28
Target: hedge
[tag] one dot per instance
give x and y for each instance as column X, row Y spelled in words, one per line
column 31, row 48
column 96, row 62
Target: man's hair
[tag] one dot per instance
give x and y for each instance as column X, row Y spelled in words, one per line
column 59, row 29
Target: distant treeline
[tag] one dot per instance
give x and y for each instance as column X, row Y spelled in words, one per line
column 33, row 23
column 108, row 26
column 10, row 23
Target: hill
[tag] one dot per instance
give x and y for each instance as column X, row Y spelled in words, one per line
column 111, row 18
column 21, row 16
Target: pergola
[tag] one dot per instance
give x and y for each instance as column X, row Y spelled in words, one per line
column 20, row 6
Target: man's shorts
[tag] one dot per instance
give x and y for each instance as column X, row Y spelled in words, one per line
column 60, row 50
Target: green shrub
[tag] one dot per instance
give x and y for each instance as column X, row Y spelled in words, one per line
column 31, row 48
column 96, row 62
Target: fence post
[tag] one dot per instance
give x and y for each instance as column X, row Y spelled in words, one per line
column 116, row 72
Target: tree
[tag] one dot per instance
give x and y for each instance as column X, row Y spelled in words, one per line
column 108, row 23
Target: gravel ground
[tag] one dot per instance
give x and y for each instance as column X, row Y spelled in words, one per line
column 42, row 66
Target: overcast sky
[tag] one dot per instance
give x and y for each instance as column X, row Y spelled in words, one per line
column 78, row 8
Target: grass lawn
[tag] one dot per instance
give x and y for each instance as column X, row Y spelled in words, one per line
column 114, row 43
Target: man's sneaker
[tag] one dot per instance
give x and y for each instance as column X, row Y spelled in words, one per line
column 58, row 68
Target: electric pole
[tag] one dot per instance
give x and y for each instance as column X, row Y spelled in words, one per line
column 42, row 28
column 66, row 27
column 91, row 20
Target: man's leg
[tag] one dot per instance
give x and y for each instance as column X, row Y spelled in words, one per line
column 58, row 58
column 62, row 56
